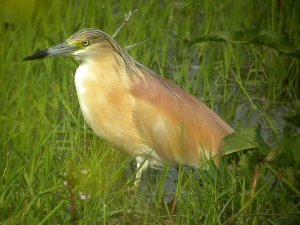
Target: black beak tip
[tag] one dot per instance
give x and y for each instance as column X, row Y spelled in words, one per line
column 37, row 55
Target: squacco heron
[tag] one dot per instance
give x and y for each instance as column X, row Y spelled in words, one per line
column 137, row 110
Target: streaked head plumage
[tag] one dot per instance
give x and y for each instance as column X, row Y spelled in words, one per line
column 87, row 37
column 82, row 44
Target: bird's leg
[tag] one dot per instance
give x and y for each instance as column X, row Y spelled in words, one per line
column 141, row 164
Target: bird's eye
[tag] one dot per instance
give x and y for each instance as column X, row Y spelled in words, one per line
column 85, row 43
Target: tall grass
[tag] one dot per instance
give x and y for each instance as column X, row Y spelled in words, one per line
column 54, row 170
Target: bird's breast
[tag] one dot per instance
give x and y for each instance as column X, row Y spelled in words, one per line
column 107, row 106
column 84, row 78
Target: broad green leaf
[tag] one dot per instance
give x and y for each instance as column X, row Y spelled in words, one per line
column 241, row 140
column 271, row 39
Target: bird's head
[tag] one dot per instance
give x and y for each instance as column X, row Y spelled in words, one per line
column 82, row 44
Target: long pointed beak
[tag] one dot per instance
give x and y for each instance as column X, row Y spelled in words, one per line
column 60, row 49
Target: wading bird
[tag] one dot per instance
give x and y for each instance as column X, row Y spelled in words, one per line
column 137, row 110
